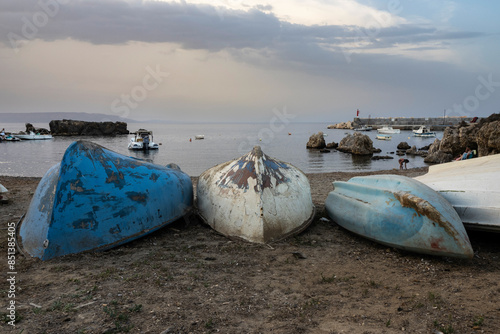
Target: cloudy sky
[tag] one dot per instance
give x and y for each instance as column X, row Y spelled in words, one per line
column 241, row 60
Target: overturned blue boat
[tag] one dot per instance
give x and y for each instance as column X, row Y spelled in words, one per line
column 399, row 212
column 96, row 199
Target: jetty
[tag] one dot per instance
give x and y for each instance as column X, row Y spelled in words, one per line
column 405, row 123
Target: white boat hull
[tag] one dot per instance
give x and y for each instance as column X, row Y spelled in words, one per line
column 33, row 136
column 255, row 198
column 388, row 130
column 472, row 187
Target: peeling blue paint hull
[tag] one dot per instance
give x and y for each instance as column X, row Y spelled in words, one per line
column 399, row 212
column 97, row 199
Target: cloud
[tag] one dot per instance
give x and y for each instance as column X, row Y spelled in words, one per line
column 193, row 26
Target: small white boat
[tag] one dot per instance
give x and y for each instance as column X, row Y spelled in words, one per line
column 33, row 136
column 199, row 137
column 472, row 187
column 388, row 130
column 423, row 131
column 142, row 141
column 255, row 198
column 364, row 128
column 384, row 137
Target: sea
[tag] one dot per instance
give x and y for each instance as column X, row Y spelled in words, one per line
column 222, row 142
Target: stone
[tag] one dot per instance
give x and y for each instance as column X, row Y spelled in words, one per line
column 488, row 139
column 357, row 144
column 403, row 146
column 67, row 127
column 332, row 145
column 343, row 125
column 484, row 137
column 438, row 158
column 316, row 141
column 382, row 157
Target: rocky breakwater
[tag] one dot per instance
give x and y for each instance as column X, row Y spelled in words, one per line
column 67, row 127
column 343, row 125
column 483, row 137
column 357, row 144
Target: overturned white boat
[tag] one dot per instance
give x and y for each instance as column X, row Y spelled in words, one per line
column 256, row 198
column 472, row 187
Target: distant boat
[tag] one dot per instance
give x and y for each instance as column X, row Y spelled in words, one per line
column 199, row 137
column 255, row 198
column 364, row 128
column 11, row 138
column 96, row 199
column 399, row 212
column 33, row 136
column 423, row 131
column 142, row 141
column 388, row 130
column 472, row 187
column 384, row 137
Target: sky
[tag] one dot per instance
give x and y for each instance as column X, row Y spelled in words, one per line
column 250, row 61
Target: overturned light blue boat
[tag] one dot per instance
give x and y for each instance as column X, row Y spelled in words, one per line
column 399, row 212
column 96, row 199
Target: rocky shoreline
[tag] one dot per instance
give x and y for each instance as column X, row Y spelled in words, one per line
column 482, row 137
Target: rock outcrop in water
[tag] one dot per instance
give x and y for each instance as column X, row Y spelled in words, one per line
column 31, row 128
column 483, row 137
column 67, row 127
column 357, row 144
column 317, row 140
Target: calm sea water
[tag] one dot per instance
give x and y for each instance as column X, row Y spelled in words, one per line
column 223, row 142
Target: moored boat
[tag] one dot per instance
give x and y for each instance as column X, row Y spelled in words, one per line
column 199, row 137
column 472, row 187
column 142, row 141
column 388, row 130
column 423, row 131
column 256, row 198
column 96, row 199
column 384, row 137
column 33, row 136
column 399, row 212
column 364, row 128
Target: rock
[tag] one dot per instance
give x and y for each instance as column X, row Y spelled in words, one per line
column 484, row 137
column 31, row 128
column 332, row 145
column 343, row 125
column 438, row 158
column 488, row 139
column 403, row 146
column 382, row 157
column 67, row 127
column 316, row 141
column 357, row 143
column 412, row 150
column 324, row 150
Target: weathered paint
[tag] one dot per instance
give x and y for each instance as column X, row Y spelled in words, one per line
column 400, row 212
column 472, row 187
column 96, row 199
column 256, row 198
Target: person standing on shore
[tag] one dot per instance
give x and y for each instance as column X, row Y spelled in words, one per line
column 403, row 161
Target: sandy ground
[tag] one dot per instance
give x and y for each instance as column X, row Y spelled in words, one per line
column 187, row 278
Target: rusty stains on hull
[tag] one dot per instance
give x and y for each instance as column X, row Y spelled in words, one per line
column 424, row 208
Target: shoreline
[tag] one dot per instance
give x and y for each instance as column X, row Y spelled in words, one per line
column 187, row 278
